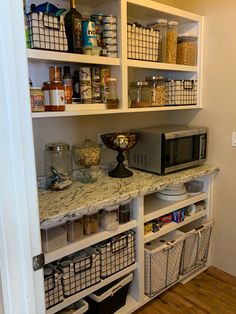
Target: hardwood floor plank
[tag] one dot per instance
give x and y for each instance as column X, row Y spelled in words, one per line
column 211, row 292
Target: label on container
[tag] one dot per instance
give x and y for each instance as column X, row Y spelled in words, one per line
column 57, row 97
column 85, row 74
column 86, row 93
column 89, row 36
column 37, row 103
column 46, row 95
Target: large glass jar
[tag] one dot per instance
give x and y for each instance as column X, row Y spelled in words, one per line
column 187, row 49
column 58, row 156
column 161, row 26
column 140, row 94
column 171, row 42
column 157, row 85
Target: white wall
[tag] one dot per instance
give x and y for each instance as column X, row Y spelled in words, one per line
column 219, row 97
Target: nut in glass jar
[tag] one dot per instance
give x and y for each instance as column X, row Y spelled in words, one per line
column 140, row 94
column 158, row 90
column 86, row 154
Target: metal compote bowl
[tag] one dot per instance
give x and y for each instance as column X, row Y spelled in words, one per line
column 120, row 142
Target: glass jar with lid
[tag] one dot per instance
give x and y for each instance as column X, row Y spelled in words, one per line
column 58, row 156
column 158, row 90
column 187, row 49
column 140, row 94
column 171, row 42
column 161, row 26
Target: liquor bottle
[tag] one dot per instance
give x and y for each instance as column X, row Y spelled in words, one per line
column 73, row 26
column 68, row 85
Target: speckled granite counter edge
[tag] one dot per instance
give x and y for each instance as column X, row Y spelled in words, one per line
column 80, row 199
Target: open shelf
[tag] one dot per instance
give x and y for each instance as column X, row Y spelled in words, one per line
column 155, row 207
column 70, row 300
column 173, row 226
column 87, row 241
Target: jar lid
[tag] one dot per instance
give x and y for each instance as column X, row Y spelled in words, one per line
column 35, row 88
column 188, row 36
column 154, row 78
column 173, row 23
column 158, row 22
column 59, row 147
column 139, row 83
column 47, row 271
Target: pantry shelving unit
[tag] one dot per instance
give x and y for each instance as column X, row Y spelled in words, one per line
column 144, row 208
column 126, row 70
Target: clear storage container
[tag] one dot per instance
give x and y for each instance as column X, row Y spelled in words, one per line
column 91, row 223
column 161, row 26
column 58, row 156
column 124, row 212
column 110, row 217
column 140, row 94
column 187, row 50
column 171, row 42
column 74, row 229
column 158, row 90
column 54, row 237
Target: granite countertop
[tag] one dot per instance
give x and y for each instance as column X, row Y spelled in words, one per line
column 82, row 198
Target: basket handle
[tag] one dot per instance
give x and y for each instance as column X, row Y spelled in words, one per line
column 92, row 259
column 185, row 85
column 122, row 247
column 116, row 289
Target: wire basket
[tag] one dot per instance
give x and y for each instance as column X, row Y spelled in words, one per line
column 181, row 92
column 117, row 253
column 47, row 32
column 52, row 286
column 196, row 246
column 142, row 43
column 80, row 270
column 162, row 262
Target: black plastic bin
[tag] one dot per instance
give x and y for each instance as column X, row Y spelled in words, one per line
column 110, row 298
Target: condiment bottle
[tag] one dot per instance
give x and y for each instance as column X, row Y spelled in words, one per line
column 57, row 96
column 68, row 85
column 36, row 99
column 112, row 98
column 46, row 94
column 54, row 73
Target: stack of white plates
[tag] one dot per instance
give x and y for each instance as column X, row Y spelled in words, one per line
column 175, row 192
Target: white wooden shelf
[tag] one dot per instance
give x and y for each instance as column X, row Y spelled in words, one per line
column 87, row 241
column 160, row 66
column 155, row 207
column 70, row 300
column 173, row 226
column 55, row 56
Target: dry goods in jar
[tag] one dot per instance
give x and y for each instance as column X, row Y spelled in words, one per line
column 87, row 154
column 171, row 42
column 158, row 90
column 187, row 50
column 91, row 223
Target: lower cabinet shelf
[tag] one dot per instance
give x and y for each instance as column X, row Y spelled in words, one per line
column 85, row 292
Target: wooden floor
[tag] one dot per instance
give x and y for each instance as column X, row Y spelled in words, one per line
column 213, row 291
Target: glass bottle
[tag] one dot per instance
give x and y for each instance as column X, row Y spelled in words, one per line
column 158, row 90
column 68, row 85
column 76, row 86
column 73, row 26
column 112, row 98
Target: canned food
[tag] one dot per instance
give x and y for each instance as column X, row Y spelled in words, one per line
column 97, row 19
column 109, row 27
column 105, row 75
column 85, row 74
column 86, row 93
column 55, row 73
column 109, row 19
column 36, row 99
column 96, row 75
column 111, row 48
column 110, row 41
column 89, row 37
column 107, row 34
column 97, row 94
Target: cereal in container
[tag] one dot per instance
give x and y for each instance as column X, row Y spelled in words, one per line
column 171, row 42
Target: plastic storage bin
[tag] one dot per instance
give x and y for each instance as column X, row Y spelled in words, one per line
column 196, row 245
column 117, row 253
column 78, row 307
column 111, row 297
column 74, row 229
column 109, row 218
column 187, row 49
column 52, row 286
column 80, row 270
column 54, row 237
column 162, row 262
column 124, row 212
column 91, row 223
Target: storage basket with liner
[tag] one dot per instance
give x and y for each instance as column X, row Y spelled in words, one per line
column 181, row 92
column 162, row 262
column 52, row 285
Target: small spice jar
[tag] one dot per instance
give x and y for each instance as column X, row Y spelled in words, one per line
column 171, row 42
column 57, row 96
column 36, row 99
column 187, row 49
column 140, row 94
column 157, row 85
column 58, row 156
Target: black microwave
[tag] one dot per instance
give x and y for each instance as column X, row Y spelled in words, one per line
column 166, row 149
